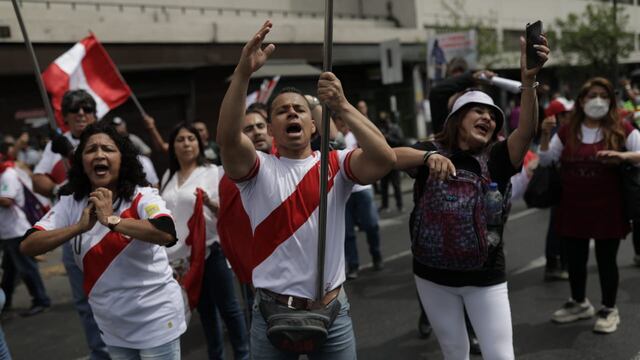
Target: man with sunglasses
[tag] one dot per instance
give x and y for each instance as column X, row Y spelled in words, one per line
column 79, row 111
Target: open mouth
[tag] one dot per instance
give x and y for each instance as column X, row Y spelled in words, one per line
column 101, row 169
column 294, row 129
column 483, row 128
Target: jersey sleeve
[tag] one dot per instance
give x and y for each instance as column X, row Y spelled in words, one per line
column 58, row 217
column 10, row 185
column 47, row 162
column 151, row 205
column 344, row 157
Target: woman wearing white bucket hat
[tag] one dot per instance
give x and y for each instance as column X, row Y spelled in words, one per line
column 456, row 225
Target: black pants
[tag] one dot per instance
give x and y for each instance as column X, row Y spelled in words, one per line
column 606, row 257
column 394, row 177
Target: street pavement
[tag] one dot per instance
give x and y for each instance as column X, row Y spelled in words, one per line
column 384, row 304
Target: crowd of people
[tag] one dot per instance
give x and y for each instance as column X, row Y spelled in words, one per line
column 142, row 252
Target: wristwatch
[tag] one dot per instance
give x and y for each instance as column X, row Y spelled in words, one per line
column 113, row 221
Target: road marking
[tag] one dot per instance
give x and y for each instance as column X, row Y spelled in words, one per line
column 522, row 214
column 534, row 264
column 390, row 258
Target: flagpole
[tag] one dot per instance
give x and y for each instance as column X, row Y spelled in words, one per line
column 36, row 68
column 324, row 150
column 133, row 96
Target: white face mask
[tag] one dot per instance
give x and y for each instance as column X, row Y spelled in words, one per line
column 596, row 108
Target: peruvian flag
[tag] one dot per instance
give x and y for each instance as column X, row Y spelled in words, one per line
column 192, row 280
column 86, row 66
column 262, row 95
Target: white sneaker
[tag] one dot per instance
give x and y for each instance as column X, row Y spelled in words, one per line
column 572, row 311
column 607, row 321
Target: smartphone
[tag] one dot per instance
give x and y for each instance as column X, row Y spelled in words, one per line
column 533, row 32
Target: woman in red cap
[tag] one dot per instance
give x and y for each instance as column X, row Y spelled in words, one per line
column 590, row 149
column 461, row 194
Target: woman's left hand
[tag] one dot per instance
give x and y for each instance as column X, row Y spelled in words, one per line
column 529, row 75
column 102, row 200
column 212, row 205
column 611, row 156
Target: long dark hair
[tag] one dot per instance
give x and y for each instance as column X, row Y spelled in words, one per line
column 130, row 175
column 612, row 129
column 174, row 165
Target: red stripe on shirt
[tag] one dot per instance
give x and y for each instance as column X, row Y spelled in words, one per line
column 348, row 171
column 252, row 172
column 100, row 256
column 287, row 218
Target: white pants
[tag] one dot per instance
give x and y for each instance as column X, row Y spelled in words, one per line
column 489, row 312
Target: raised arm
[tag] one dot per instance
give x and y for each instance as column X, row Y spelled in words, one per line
column 520, row 139
column 374, row 158
column 236, row 150
column 156, row 139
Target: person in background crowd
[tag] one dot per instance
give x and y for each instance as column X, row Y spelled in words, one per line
column 468, row 144
column 156, row 139
column 189, row 171
column 336, row 140
column 283, row 270
column 13, row 224
column 260, row 108
column 590, row 149
column 395, row 137
column 149, row 171
column 458, row 79
column 25, row 153
column 121, row 127
column 362, row 211
column 118, row 226
column 4, row 348
column 557, row 113
column 79, row 111
column 211, row 149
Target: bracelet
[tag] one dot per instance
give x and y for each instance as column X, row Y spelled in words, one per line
column 426, row 156
column 533, row 86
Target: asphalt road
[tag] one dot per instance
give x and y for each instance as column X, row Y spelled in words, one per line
column 385, row 307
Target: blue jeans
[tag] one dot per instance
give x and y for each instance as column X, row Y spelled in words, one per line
column 81, row 303
column 4, row 349
column 15, row 263
column 340, row 345
column 218, row 295
column 361, row 211
column 168, row 351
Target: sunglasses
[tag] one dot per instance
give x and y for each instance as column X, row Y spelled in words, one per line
column 88, row 109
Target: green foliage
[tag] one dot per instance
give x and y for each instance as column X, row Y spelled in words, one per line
column 593, row 39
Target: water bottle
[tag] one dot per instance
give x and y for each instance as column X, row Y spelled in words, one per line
column 493, row 210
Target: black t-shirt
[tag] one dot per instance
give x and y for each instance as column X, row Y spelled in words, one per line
column 500, row 170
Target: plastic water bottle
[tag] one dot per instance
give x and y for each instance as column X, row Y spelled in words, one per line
column 493, row 210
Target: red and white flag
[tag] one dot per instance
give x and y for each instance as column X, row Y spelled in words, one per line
column 264, row 93
column 86, row 66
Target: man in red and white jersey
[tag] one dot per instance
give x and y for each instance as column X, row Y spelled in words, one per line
column 280, row 193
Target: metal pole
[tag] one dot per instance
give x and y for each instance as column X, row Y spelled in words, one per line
column 36, row 68
column 324, row 150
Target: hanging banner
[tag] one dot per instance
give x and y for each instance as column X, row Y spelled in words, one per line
column 442, row 48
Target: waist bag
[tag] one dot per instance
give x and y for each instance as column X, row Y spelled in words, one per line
column 297, row 331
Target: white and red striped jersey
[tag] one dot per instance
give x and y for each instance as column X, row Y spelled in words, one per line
column 281, row 197
column 135, row 300
column 52, row 164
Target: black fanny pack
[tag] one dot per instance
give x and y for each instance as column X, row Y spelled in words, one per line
column 297, row 331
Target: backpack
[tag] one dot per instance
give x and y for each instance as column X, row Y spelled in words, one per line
column 449, row 230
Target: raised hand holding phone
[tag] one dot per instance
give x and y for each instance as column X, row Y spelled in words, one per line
column 533, row 32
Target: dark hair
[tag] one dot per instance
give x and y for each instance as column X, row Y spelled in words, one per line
column 76, row 98
column 131, row 173
column 285, row 90
column 258, row 107
column 448, row 137
column 612, row 129
column 174, row 165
